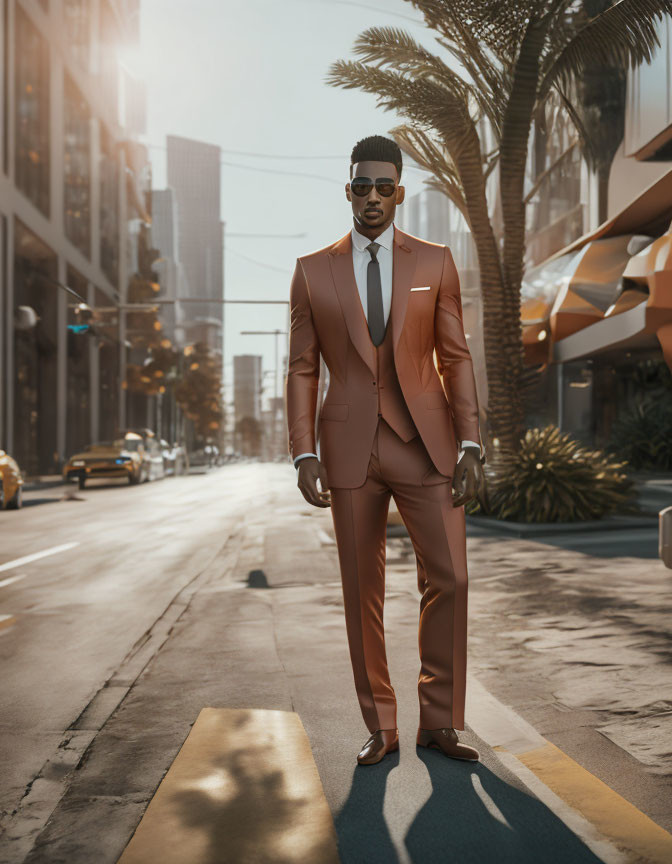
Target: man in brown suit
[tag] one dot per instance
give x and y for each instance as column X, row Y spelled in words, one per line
column 377, row 305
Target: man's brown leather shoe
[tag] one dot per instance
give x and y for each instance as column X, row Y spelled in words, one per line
column 446, row 741
column 378, row 744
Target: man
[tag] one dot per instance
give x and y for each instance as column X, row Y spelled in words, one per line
column 376, row 305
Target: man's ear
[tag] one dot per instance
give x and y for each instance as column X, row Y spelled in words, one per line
column 401, row 194
column 347, row 192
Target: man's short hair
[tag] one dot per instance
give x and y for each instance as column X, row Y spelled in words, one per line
column 377, row 148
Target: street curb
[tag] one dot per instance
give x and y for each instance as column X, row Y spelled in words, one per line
column 540, row 529
column 532, row 529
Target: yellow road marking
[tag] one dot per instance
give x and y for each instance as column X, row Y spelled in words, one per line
column 7, row 621
column 618, row 819
column 244, row 787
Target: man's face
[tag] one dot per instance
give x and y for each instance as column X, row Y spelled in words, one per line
column 374, row 210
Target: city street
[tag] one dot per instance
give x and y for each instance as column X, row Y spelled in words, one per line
column 127, row 610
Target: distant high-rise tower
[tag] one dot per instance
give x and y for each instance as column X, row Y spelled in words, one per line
column 193, row 171
column 247, row 386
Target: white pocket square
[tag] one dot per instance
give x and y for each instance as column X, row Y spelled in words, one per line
column 423, row 288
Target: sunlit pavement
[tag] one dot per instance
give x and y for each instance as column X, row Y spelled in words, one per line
column 221, row 590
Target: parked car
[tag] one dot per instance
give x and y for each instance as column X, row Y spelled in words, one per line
column 175, row 458
column 154, row 464
column 11, row 483
column 208, row 455
column 131, row 457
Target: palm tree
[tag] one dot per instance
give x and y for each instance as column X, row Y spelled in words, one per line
column 516, row 54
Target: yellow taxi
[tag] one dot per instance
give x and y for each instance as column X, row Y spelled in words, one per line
column 11, row 483
column 122, row 458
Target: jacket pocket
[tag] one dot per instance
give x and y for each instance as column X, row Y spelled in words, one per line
column 436, row 399
column 331, row 411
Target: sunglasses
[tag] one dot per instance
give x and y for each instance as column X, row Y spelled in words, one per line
column 361, row 186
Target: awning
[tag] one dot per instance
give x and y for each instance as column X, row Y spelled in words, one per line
column 625, row 263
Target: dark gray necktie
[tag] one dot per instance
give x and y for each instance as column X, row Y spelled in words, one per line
column 374, row 297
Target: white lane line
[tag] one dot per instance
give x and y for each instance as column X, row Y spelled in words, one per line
column 18, row 562
column 11, row 580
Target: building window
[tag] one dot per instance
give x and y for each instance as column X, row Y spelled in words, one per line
column 109, row 36
column 32, row 112
column 77, row 19
column 108, row 365
column 78, row 427
column 35, row 350
column 76, row 168
column 5, row 86
column 109, row 207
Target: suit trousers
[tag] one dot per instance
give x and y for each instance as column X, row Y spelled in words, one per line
column 436, row 528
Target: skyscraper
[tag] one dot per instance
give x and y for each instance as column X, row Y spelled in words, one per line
column 194, row 173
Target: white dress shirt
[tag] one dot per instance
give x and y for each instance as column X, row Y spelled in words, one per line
column 360, row 262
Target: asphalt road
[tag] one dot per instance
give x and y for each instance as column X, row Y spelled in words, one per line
column 75, row 614
column 222, row 589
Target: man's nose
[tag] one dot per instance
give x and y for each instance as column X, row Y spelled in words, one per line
column 374, row 196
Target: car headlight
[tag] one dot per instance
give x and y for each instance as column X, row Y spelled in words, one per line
column 77, row 463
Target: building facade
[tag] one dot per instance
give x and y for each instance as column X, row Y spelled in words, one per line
column 596, row 301
column 73, row 179
column 193, row 172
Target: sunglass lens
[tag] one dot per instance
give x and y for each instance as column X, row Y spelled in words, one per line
column 385, row 189
column 361, row 189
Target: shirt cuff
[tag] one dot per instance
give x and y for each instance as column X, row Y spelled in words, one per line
column 303, row 456
column 467, row 443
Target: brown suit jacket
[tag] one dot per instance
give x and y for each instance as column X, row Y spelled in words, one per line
column 327, row 317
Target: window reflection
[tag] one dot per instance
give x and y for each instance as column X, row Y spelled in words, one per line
column 78, row 432
column 109, row 207
column 109, row 35
column 35, row 409
column 76, row 16
column 76, row 198
column 32, row 112
column 108, row 364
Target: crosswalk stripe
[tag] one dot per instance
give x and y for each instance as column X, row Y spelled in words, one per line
column 243, row 787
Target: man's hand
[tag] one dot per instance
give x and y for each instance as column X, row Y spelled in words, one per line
column 310, row 471
column 468, row 477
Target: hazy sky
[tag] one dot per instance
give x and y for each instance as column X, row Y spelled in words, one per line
column 248, row 75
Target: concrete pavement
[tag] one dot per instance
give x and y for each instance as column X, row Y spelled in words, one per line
column 223, row 644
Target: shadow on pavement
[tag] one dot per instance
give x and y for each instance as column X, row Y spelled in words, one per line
column 32, row 502
column 471, row 817
column 633, row 543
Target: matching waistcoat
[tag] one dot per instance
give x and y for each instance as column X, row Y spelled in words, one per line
column 391, row 403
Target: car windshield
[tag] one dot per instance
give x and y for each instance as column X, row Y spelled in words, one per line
column 118, row 444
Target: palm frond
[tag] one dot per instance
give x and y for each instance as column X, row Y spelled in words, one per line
column 496, row 25
column 625, row 35
column 430, row 155
column 427, row 103
column 393, row 47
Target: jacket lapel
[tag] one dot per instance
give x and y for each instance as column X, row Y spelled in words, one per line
column 343, row 274
column 403, row 271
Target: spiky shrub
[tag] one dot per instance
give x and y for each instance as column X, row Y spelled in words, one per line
column 552, row 478
column 643, row 435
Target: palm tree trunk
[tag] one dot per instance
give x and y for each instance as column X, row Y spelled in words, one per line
column 506, row 408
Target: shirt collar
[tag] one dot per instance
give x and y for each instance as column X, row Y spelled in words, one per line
column 385, row 239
